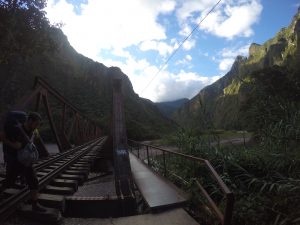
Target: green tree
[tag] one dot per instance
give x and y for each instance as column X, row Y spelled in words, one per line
column 23, row 29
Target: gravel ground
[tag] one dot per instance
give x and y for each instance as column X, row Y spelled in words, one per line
column 102, row 186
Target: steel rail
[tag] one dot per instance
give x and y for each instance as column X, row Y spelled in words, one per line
column 10, row 204
column 62, row 155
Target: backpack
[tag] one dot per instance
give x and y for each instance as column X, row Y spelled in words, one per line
column 12, row 124
column 28, row 155
column 12, row 120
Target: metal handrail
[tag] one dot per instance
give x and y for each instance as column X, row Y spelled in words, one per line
column 225, row 217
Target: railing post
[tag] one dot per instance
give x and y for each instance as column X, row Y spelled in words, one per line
column 165, row 167
column 148, row 159
column 228, row 209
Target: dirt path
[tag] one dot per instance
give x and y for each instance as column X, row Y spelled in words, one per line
column 224, row 142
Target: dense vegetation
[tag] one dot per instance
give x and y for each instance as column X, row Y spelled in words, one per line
column 168, row 108
column 263, row 174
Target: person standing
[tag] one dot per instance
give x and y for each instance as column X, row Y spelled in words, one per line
column 18, row 130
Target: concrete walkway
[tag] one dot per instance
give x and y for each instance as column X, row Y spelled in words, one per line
column 171, row 217
column 156, row 190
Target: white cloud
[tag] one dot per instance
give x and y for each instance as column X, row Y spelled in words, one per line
column 188, row 57
column 166, row 86
column 226, row 64
column 106, row 25
column 184, row 84
column 235, row 51
column 168, row 6
column 163, row 48
column 189, row 7
column 228, row 56
column 232, row 18
column 186, row 61
column 185, row 30
column 189, row 44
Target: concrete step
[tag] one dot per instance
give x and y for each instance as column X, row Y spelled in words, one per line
column 92, row 207
column 49, row 189
column 51, row 216
column 52, row 201
column 65, row 183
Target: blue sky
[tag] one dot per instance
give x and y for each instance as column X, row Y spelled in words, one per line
column 139, row 35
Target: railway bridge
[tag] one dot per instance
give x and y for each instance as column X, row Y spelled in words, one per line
column 144, row 184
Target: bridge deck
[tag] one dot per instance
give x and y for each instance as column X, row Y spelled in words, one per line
column 156, row 190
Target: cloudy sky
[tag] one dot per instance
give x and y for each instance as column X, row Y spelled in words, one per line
column 140, row 35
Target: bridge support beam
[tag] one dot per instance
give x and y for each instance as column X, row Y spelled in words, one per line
column 123, row 176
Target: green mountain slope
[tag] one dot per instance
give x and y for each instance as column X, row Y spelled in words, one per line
column 225, row 104
column 168, row 108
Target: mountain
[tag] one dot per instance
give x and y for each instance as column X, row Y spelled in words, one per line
column 168, row 108
column 270, row 71
column 85, row 83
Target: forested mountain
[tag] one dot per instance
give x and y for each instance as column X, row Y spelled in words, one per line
column 30, row 47
column 260, row 86
column 168, row 108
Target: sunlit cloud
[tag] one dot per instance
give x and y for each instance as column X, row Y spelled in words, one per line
column 163, row 48
column 102, row 25
column 231, row 19
column 186, row 61
column 228, row 55
column 167, row 86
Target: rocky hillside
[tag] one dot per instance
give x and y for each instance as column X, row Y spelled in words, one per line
column 227, row 103
column 85, row 83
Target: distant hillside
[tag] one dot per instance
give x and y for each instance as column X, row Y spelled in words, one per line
column 84, row 82
column 271, row 70
column 168, row 108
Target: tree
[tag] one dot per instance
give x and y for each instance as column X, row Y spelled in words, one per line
column 23, row 29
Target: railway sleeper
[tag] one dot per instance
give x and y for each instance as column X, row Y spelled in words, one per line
column 65, row 183
column 77, row 172
column 50, row 189
column 84, row 168
column 82, row 164
column 79, row 178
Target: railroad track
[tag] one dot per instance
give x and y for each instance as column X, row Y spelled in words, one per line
column 61, row 173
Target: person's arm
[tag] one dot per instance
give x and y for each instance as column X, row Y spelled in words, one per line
column 1, row 136
column 13, row 144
